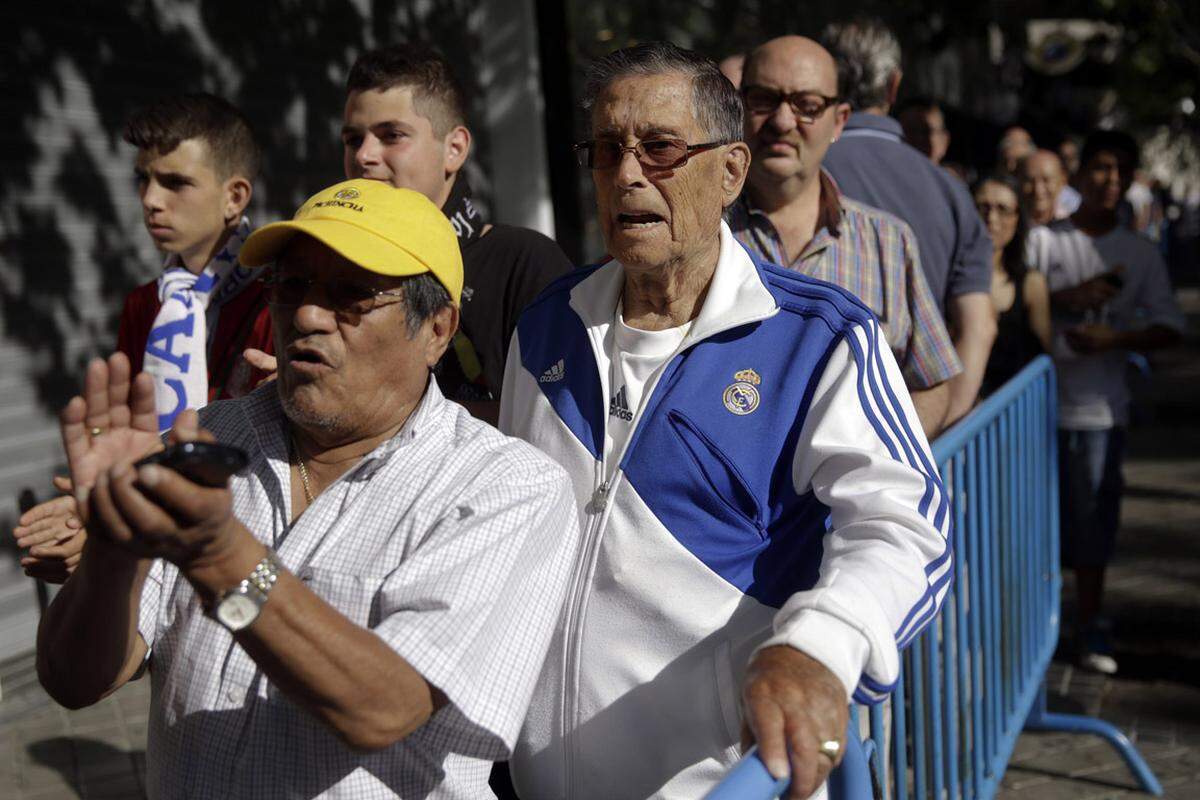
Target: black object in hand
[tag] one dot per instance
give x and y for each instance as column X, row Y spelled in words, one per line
column 1114, row 279
column 200, row 462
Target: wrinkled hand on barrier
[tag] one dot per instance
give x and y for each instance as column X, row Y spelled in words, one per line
column 793, row 703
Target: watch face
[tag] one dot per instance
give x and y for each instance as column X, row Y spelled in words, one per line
column 236, row 611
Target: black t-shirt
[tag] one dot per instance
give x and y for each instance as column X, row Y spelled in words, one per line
column 503, row 272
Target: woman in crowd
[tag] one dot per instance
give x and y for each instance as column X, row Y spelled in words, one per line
column 1019, row 294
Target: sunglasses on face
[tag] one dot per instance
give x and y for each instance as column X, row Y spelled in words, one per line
column 661, row 153
column 289, row 290
column 807, row 106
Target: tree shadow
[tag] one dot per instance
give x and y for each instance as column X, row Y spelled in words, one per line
column 75, row 759
column 70, row 225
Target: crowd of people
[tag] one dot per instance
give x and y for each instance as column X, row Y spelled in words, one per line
column 606, row 524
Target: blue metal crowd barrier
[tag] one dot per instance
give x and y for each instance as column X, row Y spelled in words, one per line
column 973, row 680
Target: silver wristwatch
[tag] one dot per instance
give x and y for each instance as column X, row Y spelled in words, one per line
column 239, row 607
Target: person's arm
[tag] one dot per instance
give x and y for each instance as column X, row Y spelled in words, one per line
column 1100, row 338
column 1037, row 307
column 374, row 687
column 886, row 562
column 88, row 641
column 345, row 675
column 932, row 406
column 931, row 361
column 1089, row 295
column 973, row 322
column 1162, row 318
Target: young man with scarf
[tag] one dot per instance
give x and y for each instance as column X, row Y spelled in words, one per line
column 195, row 167
column 405, row 124
column 196, row 163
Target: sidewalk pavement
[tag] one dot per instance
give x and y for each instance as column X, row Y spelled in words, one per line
column 49, row 753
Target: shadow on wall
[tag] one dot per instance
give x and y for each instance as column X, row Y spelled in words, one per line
column 71, row 240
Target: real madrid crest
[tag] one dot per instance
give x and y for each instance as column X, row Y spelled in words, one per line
column 741, row 396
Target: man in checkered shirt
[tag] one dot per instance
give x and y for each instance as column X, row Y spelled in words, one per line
column 363, row 611
column 792, row 214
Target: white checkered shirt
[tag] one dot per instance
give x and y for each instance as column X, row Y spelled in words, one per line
column 450, row 541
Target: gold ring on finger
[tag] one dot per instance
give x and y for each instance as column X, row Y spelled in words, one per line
column 96, row 431
column 831, row 748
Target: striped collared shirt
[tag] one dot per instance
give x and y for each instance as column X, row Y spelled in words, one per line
column 873, row 255
column 450, row 542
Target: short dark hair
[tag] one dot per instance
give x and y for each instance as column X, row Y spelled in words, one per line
column 1119, row 142
column 164, row 123
column 437, row 94
column 718, row 106
column 867, row 55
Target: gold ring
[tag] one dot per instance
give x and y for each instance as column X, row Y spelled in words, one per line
column 96, row 431
column 831, row 748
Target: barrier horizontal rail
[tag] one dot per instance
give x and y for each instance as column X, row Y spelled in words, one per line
column 973, row 680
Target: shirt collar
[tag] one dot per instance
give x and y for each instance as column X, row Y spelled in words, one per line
column 736, row 295
column 864, row 122
column 829, row 208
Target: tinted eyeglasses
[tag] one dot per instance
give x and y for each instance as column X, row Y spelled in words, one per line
column 986, row 209
column 345, row 297
column 652, row 153
column 807, row 106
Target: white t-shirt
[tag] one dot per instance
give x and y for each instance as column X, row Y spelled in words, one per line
column 1091, row 388
column 635, row 358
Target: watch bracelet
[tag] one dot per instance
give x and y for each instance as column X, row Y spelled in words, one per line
column 263, row 577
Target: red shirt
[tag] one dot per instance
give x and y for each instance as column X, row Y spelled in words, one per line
column 243, row 322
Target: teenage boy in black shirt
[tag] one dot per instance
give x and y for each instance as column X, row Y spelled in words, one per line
column 404, row 124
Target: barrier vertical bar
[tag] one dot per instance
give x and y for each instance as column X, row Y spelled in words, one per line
column 916, row 678
column 900, row 736
column 937, row 749
column 879, row 736
column 1022, row 536
column 989, row 567
column 953, row 633
column 977, row 617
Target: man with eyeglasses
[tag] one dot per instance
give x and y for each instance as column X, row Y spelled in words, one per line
column 713, row 411
column 364, row 611
column 793, row 215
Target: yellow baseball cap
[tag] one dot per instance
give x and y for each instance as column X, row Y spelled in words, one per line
column 380, row 228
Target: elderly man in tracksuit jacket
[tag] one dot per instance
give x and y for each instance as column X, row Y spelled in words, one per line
column 764, row 524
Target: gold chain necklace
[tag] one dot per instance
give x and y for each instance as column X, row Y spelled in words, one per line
column 308, row 495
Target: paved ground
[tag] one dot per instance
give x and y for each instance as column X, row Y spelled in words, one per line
column 49, row 753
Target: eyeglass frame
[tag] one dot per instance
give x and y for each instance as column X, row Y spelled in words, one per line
column 786, row 97
column 588, row 147
column 984, row 209
column 270, row 280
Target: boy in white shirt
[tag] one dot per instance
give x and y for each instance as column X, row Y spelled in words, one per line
column 1110, row 295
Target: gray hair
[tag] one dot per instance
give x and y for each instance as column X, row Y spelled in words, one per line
column 717, row 104
column 867, row 55
column 424, row 296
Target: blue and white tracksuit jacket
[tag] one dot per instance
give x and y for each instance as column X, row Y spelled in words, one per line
column 776, row 488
